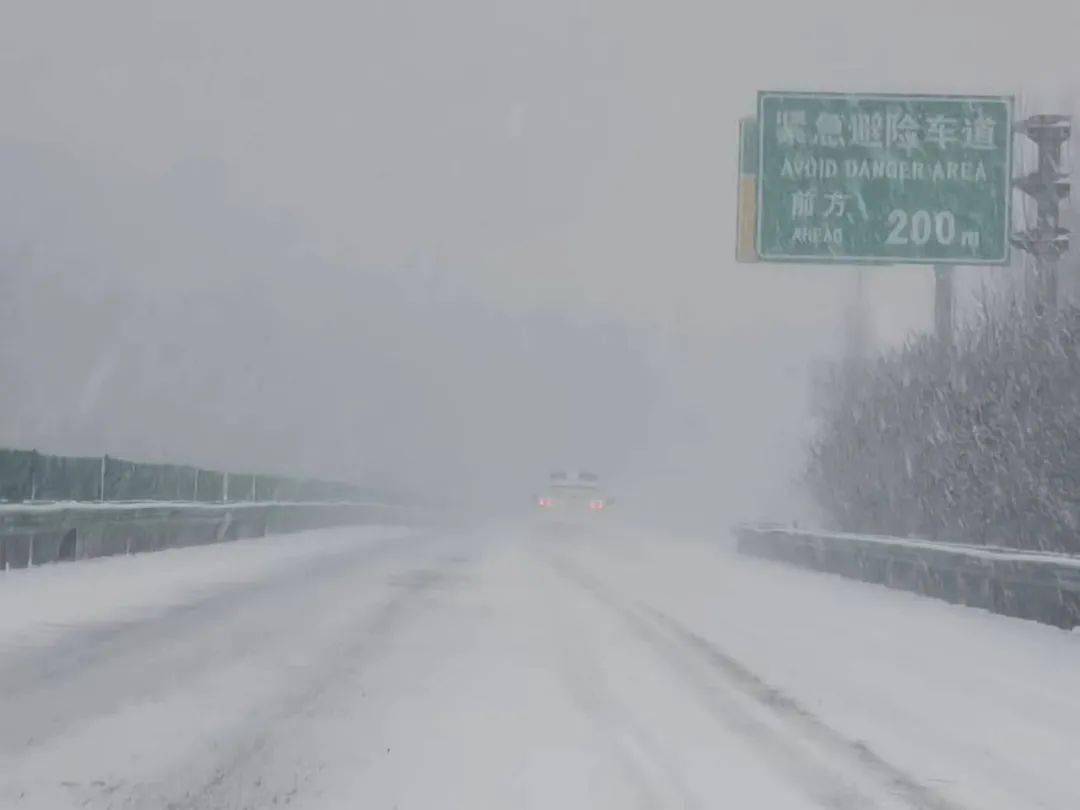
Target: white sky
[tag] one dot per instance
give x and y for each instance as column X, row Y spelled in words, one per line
column 579, row 155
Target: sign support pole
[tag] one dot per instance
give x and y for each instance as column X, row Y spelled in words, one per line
column 943, row 303
column 857, row 333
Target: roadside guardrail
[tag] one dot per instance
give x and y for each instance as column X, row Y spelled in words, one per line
column 1034, row 585
column 33, row 534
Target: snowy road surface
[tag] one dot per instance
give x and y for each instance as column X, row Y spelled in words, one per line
column 390, row 668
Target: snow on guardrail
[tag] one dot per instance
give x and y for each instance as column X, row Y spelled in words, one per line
column 1028, row 584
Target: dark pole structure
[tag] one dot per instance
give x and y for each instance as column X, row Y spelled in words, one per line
column 943, row 303
column 1048, row 185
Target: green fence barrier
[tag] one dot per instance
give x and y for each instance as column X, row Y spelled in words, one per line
column 16, row 475
column 210, row 486
column 240, row 487
column 26, row 475
column 60, row 478
column 266, row 488
column 132, row 481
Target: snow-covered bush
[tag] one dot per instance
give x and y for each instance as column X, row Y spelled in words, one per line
column 975, row 442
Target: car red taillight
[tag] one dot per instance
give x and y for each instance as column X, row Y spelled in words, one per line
column 544, row 502
column 596, row 506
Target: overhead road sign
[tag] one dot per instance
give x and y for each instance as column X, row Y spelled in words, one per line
column 861, row 178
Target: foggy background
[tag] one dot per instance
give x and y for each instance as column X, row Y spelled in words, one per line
column 441, row 247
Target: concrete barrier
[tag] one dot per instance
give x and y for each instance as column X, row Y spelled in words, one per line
column 33, row 534
column 1030, row 585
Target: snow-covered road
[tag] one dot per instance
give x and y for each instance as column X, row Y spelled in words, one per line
column 501, row 668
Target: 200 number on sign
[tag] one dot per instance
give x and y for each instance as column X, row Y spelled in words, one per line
column 922, row 226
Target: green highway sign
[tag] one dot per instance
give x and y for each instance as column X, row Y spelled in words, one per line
column 883, row 178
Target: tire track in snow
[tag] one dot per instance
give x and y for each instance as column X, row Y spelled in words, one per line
column 785, row 721
column 241, row 778
column 897, row 781
column 50, row 681
column 654, row 778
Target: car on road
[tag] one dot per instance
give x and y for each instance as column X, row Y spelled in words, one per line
column 572, row 499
